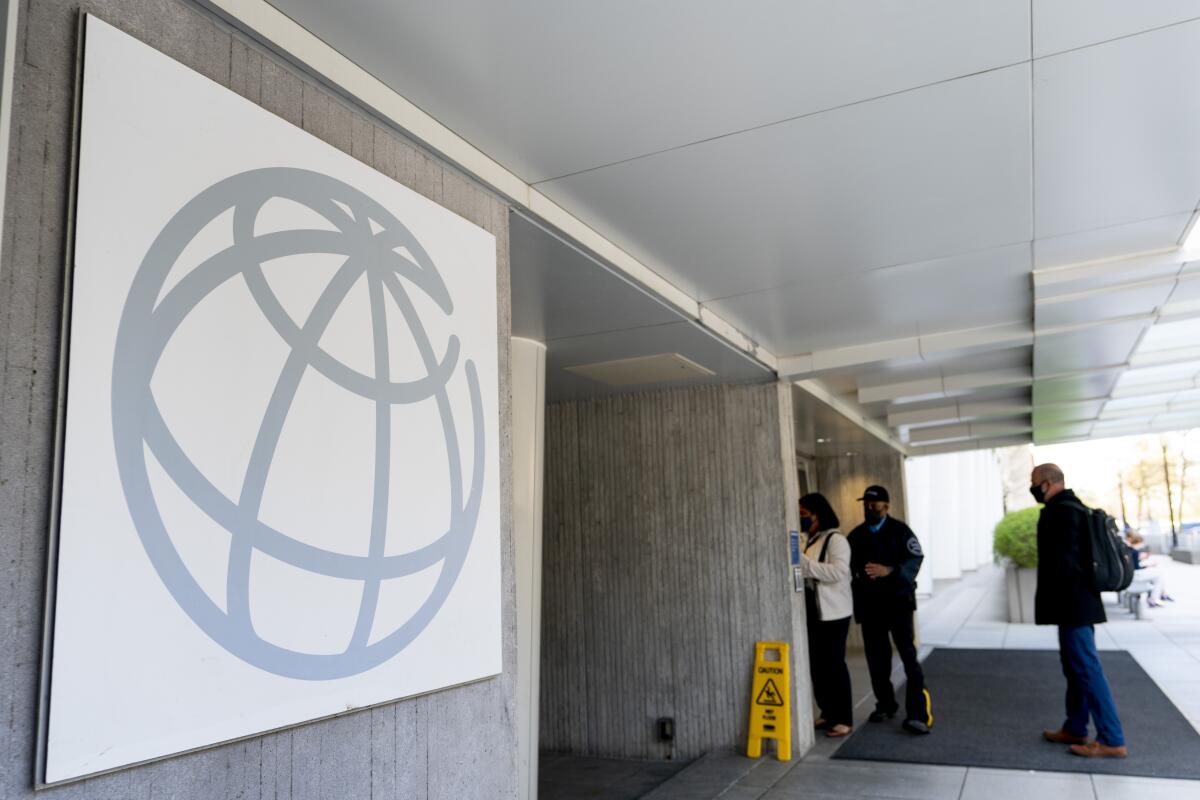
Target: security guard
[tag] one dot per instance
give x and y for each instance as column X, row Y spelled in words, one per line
column 885, row 558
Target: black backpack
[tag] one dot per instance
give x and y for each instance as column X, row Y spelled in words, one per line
column 1112, row 565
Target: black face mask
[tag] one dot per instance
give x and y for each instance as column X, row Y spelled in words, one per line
column 1039, row 494
column 806, row 523
column 873, row 516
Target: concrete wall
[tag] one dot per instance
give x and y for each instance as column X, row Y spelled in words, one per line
column 452, row 744
column 842, row 480
column 665, row 559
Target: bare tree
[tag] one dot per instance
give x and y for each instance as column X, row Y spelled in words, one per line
column 1121, row 493
column 1170, row 503
column 1184, row 464
column 1143, row 478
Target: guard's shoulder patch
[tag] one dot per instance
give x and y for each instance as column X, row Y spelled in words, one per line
column 914, row 546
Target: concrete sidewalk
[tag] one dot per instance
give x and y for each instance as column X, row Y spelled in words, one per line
column 971, row 613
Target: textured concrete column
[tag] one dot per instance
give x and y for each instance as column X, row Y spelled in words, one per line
column 842, row 479
column 529, row 407
column 665, row 560
column 802, row 706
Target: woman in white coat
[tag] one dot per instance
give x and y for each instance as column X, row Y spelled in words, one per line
column 825, row 567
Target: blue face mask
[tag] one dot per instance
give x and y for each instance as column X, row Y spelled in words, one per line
column 806, row 523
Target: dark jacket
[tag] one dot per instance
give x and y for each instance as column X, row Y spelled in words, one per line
column 1064, row 573
column 893, row 545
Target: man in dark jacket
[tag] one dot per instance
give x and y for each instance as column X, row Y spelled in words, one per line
column 885, row 557
column 1067, row 598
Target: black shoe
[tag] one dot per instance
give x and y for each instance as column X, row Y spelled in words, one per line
column 879, row 715
column 916, row 726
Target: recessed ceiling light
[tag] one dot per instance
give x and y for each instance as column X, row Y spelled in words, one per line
column 822, row 441
column 851, row 454
column 641, row 370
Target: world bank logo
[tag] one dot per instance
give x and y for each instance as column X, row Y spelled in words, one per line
column 374, row 245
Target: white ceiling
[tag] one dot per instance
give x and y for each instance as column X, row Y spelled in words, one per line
column 983, row 199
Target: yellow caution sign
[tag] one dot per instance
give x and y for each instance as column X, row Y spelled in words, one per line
column 770, row 711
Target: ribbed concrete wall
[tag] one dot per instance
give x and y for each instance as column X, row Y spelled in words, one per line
column 843, row 478
column 453, row 744
column 665, row 558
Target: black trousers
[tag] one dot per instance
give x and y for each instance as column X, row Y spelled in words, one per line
column 827, row 663
column 898, row 625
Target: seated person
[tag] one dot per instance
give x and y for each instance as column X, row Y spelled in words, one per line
column 1147, row 569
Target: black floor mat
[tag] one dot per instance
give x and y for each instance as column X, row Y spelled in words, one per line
column 990, row 707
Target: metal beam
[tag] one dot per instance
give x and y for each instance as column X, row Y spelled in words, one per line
column 914, row 348
column 957, row 411
column 1152, row 389
column 970, row 444
column 969, row 430
column 945, row 385
column 1157, row 424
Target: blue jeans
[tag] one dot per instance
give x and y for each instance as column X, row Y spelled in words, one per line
column 1087, row 688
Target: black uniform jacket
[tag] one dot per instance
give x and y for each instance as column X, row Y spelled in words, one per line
column 893, row 545
column 1064, row 573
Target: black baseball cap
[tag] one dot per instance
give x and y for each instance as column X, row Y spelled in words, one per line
column 876, row 493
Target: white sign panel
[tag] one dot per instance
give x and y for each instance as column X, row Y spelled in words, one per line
column 280, row 493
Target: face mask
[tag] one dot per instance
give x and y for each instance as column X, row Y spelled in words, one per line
column 873, row 516
column 806, row 523
column 1039, row 494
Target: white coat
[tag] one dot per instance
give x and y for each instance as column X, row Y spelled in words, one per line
column 832, row 576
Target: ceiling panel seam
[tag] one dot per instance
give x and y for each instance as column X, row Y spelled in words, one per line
column 752, row 128
column 783, row 121
column 1122, row 37
column 1032, row 146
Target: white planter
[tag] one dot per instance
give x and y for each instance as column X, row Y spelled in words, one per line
column 1185, row 555
column 1021, row 584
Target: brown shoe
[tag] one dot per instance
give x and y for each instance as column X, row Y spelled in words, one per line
column 1098, row 750
column 1062, row 737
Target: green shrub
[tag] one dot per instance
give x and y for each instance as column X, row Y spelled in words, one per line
column 1016, row 537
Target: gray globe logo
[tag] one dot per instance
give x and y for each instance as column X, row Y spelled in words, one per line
column 369, row 237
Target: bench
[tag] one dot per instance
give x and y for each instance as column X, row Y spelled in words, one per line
column 1134, row 598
